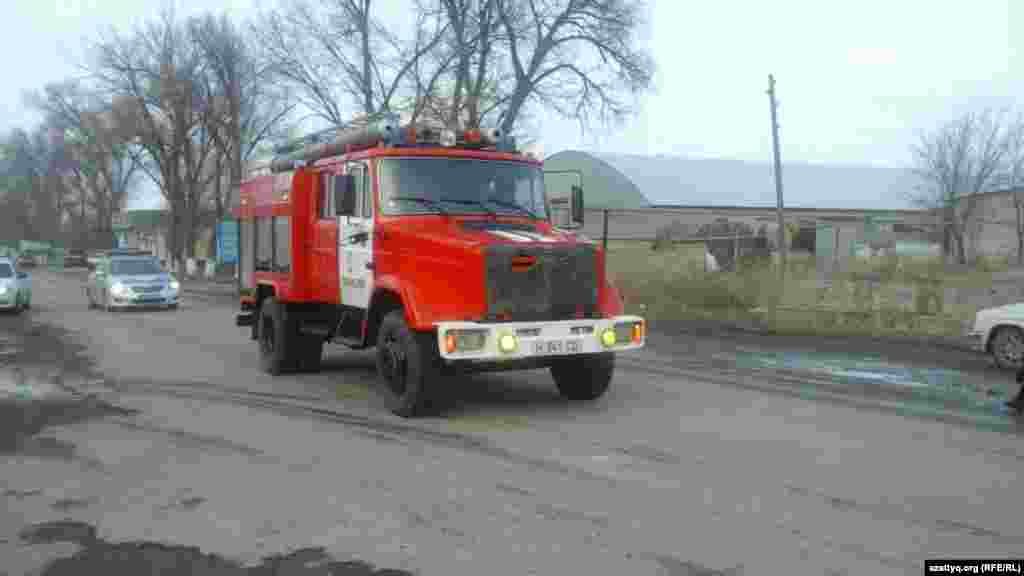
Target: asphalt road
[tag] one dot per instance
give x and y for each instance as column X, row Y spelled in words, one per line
column 144, row 438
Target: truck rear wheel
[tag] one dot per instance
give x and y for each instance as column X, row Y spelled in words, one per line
column 408, row 365
column 309, row 353
column 585, row 377
column 277, row 342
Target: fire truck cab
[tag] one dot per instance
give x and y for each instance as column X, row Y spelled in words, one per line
column 434, row 247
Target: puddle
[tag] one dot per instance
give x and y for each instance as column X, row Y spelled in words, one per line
column 21, row 384
column 935, row 386
column 31, row 401
column 97, row 556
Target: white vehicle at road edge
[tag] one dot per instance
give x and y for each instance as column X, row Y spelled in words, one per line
column 999, row 331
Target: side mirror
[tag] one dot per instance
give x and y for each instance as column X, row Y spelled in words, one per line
column 576, row 205
column 345, row 195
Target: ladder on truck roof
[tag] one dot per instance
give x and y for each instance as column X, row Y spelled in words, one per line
column 382, row 130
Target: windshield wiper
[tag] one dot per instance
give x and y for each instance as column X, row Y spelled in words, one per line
column 435, row 203
column 512, row 205
column 473, row 203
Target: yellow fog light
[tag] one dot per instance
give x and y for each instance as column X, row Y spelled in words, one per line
column 608, row 337
column 507, row 343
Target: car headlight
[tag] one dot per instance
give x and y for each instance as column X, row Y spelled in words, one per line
column 118, row 289
column 173, row 285
column 3, row 289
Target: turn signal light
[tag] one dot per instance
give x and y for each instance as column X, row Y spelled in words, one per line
column 464, row 340
column 638, row 332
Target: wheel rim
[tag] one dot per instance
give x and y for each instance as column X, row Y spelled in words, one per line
column 267, row 337
column 393, row 364
column 1010, row 347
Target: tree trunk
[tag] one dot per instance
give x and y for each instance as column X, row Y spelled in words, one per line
column 218, row 199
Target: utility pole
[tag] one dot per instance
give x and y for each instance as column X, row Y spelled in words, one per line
column 781, row 239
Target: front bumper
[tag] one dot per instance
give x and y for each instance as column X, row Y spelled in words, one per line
column 977, row 340
column 538, row 340
column 155, row 300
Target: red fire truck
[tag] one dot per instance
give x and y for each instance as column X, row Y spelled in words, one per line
column 436, row 248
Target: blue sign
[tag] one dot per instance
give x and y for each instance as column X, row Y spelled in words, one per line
column 227, row 241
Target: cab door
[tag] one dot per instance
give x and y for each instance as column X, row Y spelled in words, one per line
column 355, row 242
column 325, row 246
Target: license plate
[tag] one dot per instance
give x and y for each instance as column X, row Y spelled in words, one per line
column 550, row 347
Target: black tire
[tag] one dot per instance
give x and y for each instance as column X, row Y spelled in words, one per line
column 1008, row 347
column 310, row 353
column 584, row 378
column 408, row 365
column 277, row 341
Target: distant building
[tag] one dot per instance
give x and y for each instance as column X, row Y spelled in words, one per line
column 149, row 230
column 694, row 196
column 992, row 229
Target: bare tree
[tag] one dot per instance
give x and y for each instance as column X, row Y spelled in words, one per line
column 573, row 56
column 247, row 107
column 338, row 57
column 154, row 75
column 98, row 159
column 30, row 195
column 1013, row 176
column 957, row 163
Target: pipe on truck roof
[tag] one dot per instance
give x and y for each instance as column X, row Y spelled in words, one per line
column 385, row 129
column 388, row 130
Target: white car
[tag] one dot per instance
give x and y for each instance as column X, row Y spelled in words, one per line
column 15, row 287
column 1000, row 332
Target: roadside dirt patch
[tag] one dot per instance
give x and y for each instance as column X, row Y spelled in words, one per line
column 97, row 556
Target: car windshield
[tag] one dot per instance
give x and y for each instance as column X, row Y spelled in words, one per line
column 432, row 185
column 134, row 267
column 6, row 271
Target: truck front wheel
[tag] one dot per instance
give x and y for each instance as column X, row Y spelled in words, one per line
column 408, row 365
column 276, row 340
column 584, row 377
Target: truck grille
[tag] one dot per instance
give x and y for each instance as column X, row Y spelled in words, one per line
column 541, row 283
column 146, row 289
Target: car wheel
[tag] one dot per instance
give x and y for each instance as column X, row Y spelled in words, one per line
column 408, row 365
column 1008, row 347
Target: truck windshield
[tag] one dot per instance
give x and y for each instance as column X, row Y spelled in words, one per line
column 425, row 185
column 134, row 267
column 6, row 271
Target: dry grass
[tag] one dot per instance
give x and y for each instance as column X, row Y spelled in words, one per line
column 671, row 284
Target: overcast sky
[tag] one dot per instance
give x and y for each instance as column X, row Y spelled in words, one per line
column 856, row 80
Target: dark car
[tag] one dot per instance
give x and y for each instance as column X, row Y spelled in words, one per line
column 75, row 259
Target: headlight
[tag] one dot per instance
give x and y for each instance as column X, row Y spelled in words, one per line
column 173, row 285
column 608, row 337
column 3, row 289
column 118, row 289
